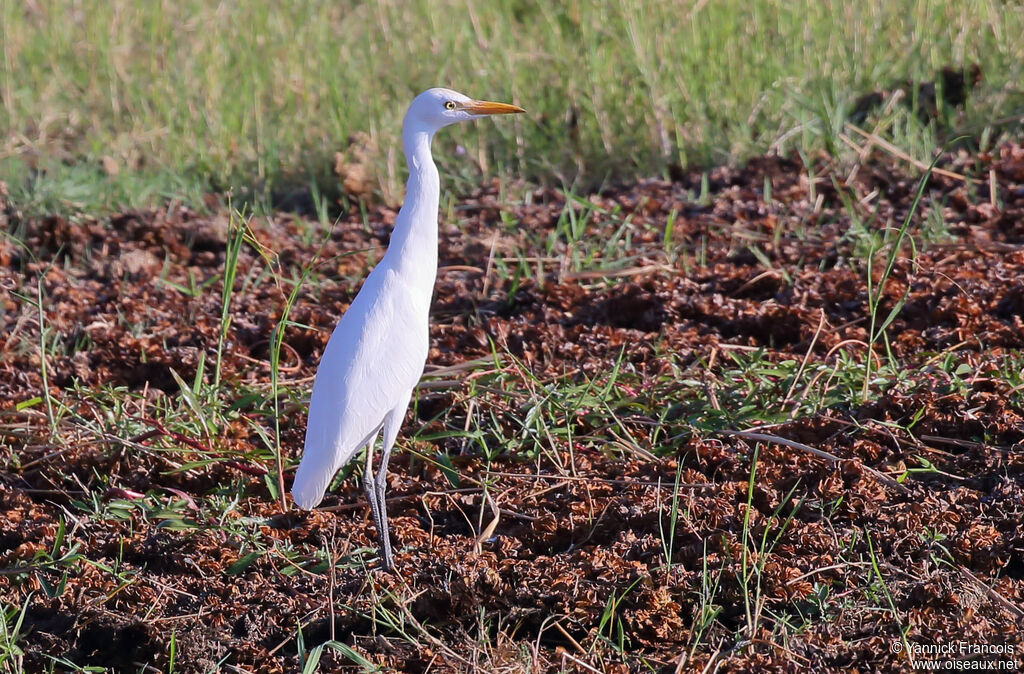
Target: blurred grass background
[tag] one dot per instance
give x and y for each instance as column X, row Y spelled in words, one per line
column 109, row 104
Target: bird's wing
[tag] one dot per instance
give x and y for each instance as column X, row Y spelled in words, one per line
column 373, row 359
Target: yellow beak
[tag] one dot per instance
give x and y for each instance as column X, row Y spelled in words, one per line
column 490, row 108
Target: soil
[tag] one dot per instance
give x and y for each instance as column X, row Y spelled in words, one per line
column 915, row 525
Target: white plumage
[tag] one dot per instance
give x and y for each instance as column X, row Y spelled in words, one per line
column 376, row 354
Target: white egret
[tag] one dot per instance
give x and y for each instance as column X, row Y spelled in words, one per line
column 375, row 356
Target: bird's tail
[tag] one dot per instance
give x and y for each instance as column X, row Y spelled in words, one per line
column 315, row 470
column 322, row 456
column 312, row 478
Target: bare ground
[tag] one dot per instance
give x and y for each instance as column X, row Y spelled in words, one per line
column 918, row 527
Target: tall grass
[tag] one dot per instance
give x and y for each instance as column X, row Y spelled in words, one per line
column 199, row 95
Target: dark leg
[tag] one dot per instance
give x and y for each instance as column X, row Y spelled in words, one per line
column 380, row 487
column 392, row 423
column 369, row 486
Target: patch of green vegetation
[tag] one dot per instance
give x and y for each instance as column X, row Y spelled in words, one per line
column 110, row 105
column 11, row 618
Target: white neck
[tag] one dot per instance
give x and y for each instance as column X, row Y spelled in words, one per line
column 413, row 247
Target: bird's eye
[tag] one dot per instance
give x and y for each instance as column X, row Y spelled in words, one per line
column 449, row 105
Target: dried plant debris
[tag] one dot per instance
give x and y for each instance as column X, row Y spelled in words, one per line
column 573, row 494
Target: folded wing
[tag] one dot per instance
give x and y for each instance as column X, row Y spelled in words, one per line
column 373, row 359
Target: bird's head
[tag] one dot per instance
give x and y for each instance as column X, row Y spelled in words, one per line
column 437, row 108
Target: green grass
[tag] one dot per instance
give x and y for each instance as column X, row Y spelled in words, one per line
column 182, row 98
column 11, row 618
